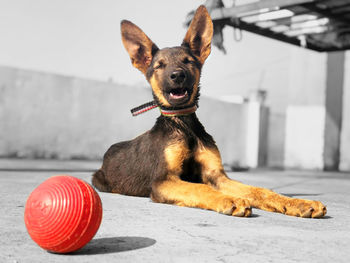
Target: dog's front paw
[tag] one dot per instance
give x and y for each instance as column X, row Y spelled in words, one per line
column 305, row 208
column 234, row 206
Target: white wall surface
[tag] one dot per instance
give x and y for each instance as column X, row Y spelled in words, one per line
column 305, row 137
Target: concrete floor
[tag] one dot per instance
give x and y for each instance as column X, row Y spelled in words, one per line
column 137, row 230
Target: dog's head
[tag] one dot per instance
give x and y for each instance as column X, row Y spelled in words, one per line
column 172, row 72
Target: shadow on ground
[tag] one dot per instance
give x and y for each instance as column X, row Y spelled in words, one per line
column 114, row 245
column 300, row 194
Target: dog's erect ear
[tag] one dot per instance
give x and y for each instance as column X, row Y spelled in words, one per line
column 199, row 34
column 141, row 49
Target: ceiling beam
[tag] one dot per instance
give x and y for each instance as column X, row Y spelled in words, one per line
column 278, row 36
column 235, row 11
column 326, row 13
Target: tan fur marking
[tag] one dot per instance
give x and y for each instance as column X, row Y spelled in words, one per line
column 212, row 171
column 175, row 155
column 210, row 159
column 268, row 200
column 158, row 91
column 175, row 191
column 181, row 193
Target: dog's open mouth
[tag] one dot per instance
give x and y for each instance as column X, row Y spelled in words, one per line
column 178, row 94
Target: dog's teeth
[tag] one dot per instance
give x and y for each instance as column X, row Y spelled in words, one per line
column 178, row 95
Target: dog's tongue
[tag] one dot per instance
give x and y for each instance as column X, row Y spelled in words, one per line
column 178, row 93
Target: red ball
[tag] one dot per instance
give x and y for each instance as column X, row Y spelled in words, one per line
column 63, row 214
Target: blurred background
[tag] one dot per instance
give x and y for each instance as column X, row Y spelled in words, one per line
column 275, row 91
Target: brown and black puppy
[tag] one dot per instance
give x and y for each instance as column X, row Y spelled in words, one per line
column 177, row 161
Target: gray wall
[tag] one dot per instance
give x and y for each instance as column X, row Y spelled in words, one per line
column 51, row 116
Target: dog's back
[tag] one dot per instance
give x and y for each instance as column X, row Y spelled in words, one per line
column 129, row 167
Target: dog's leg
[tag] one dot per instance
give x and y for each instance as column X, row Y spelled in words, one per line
column 173, row 190
column 181, row 193
column 265, row 199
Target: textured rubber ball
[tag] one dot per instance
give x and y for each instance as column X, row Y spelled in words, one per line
column 63, row 214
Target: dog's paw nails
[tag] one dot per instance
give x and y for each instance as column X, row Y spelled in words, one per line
column 243, row 212
column 306, row 209
column 243, row 208
column 226, row 206
column 234, row 207
column 315, row 210
column 322, row 211
column 308, row 212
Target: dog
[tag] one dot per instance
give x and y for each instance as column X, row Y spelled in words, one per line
column 177, row 161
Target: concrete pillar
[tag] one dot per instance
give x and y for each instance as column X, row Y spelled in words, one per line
column 305, row 110
column 252, row 135
column 334, row 109
column 345, row 129
column 263, row 136
column 257, row 116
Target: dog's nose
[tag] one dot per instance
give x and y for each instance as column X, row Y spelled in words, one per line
column 178, row 76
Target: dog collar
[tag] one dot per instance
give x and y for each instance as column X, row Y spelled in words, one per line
column 178, row 112
column 165, row 112
column 143, row 108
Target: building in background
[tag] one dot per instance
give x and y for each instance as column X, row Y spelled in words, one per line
column 310, row 128
column 267, row 102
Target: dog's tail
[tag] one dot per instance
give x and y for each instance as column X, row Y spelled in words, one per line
column 99, row 181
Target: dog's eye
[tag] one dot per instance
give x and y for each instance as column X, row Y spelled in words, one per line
column 159, row 65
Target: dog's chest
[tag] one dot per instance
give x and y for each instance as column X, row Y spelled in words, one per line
column 186, row 150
